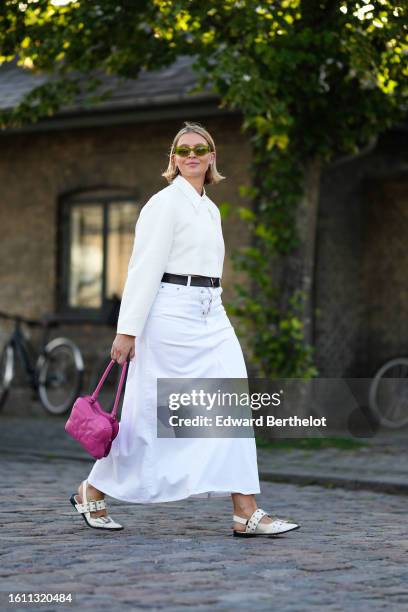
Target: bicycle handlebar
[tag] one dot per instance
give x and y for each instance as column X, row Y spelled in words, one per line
column 46, row 321
column 49, row 320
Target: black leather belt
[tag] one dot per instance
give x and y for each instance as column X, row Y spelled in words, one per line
column 196, row 281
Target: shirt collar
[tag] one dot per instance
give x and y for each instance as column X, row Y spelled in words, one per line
column 186, row 187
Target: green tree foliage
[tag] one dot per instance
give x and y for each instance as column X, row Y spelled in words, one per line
column 314, row 79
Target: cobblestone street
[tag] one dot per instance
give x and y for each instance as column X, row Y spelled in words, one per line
column 203, row 246
column 349, row 554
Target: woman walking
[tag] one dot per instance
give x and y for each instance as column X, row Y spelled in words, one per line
column 172, row 324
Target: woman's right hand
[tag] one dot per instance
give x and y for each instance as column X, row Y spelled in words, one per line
column 123, row 347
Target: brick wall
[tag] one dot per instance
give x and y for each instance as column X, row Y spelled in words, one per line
column 360, row 290
column 36, row 168
column 361, row 284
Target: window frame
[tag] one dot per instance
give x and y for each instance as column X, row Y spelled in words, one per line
column 88, row 197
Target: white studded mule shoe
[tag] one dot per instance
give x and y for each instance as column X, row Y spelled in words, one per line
column 100, row 522
column 254, row 527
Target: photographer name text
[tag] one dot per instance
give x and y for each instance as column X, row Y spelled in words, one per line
column 260, row 421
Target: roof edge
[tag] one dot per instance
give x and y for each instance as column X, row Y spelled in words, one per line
column 158, row 111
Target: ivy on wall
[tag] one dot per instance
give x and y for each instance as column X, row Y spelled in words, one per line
column 275, row 336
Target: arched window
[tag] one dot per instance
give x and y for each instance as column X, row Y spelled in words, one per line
column 96, row 234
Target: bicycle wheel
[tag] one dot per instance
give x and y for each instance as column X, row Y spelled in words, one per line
column 6, row 372
column 388, row 396
column 60, row 373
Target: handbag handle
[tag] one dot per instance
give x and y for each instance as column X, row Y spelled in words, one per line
column 95, row 394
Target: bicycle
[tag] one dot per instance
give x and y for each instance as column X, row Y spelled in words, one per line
column 55, row 372
column 388, row 394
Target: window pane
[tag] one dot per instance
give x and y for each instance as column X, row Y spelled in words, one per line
column 86, row 262
column 121, row 230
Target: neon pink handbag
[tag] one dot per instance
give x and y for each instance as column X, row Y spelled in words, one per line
column 90, row 425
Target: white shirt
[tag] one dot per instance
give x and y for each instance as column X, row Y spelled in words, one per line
column 177, row 231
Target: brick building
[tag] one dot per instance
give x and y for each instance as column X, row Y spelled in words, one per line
column 72, row 187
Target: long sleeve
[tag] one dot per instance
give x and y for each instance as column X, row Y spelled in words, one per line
column 154, row 233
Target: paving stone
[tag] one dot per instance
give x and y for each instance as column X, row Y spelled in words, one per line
column 379, row 466
column 350, row 553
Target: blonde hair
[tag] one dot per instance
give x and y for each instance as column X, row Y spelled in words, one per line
column 212, row 175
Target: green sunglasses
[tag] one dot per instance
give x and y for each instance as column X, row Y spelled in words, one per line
column 199, row 150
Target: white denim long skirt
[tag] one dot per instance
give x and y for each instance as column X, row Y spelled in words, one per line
column 187, row 335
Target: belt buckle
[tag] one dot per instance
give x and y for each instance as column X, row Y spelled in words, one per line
column 212, row 281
